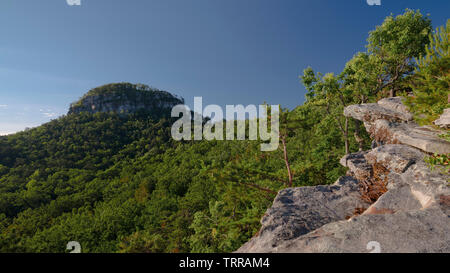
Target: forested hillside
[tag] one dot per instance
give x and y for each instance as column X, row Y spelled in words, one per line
column 120, row 183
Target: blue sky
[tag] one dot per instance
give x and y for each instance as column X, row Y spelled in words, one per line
column 227, row 51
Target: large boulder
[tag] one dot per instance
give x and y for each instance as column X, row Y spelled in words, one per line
column 298, row 211
column 415, row 231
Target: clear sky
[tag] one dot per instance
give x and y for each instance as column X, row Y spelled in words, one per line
column 227, row 51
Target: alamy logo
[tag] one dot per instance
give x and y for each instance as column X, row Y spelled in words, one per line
column 374, row 246
column 213, row 129
column 374, row 2
column 73, row 2
column 74, row 246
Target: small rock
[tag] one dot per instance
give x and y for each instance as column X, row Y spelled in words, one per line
column 358, row 165
column 444, row 120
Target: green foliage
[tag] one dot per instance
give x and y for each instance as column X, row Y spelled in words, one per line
column 127, row 90
column 446, row 136
column 439, row 161
column 120, row 183
column 395, row 44
column 361, row 76
column 391, row 49
column 405, row 35
column 332, row 94
column 217, row 230
column 431, row 82
column 382, row 70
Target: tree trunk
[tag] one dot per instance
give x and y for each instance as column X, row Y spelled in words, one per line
column 286, row 160
column 347, row 148
column 358, row 137
column 392, row 93
column 259, row 188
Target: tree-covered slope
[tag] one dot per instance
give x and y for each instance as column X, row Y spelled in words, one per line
column 117, row 182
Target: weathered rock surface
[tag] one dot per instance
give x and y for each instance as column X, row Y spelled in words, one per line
column 405, row 232
column 395, row 104
column 413, row 215
column 444, row 120
column 422, row 137
column 390, row 109
column 372, row 111
column 297, row 211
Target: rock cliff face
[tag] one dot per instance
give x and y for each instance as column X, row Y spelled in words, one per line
column 390, row 199
column 125, row 98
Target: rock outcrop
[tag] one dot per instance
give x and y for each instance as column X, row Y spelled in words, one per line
column 391, row 198
column 125, row 98
column 389, row 122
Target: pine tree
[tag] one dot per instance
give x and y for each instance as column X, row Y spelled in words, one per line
column 431, row 82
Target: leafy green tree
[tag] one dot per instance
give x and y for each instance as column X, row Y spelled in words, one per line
column 431, row 82
column 360, row 77
column 328, row 92
column 395, row 44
